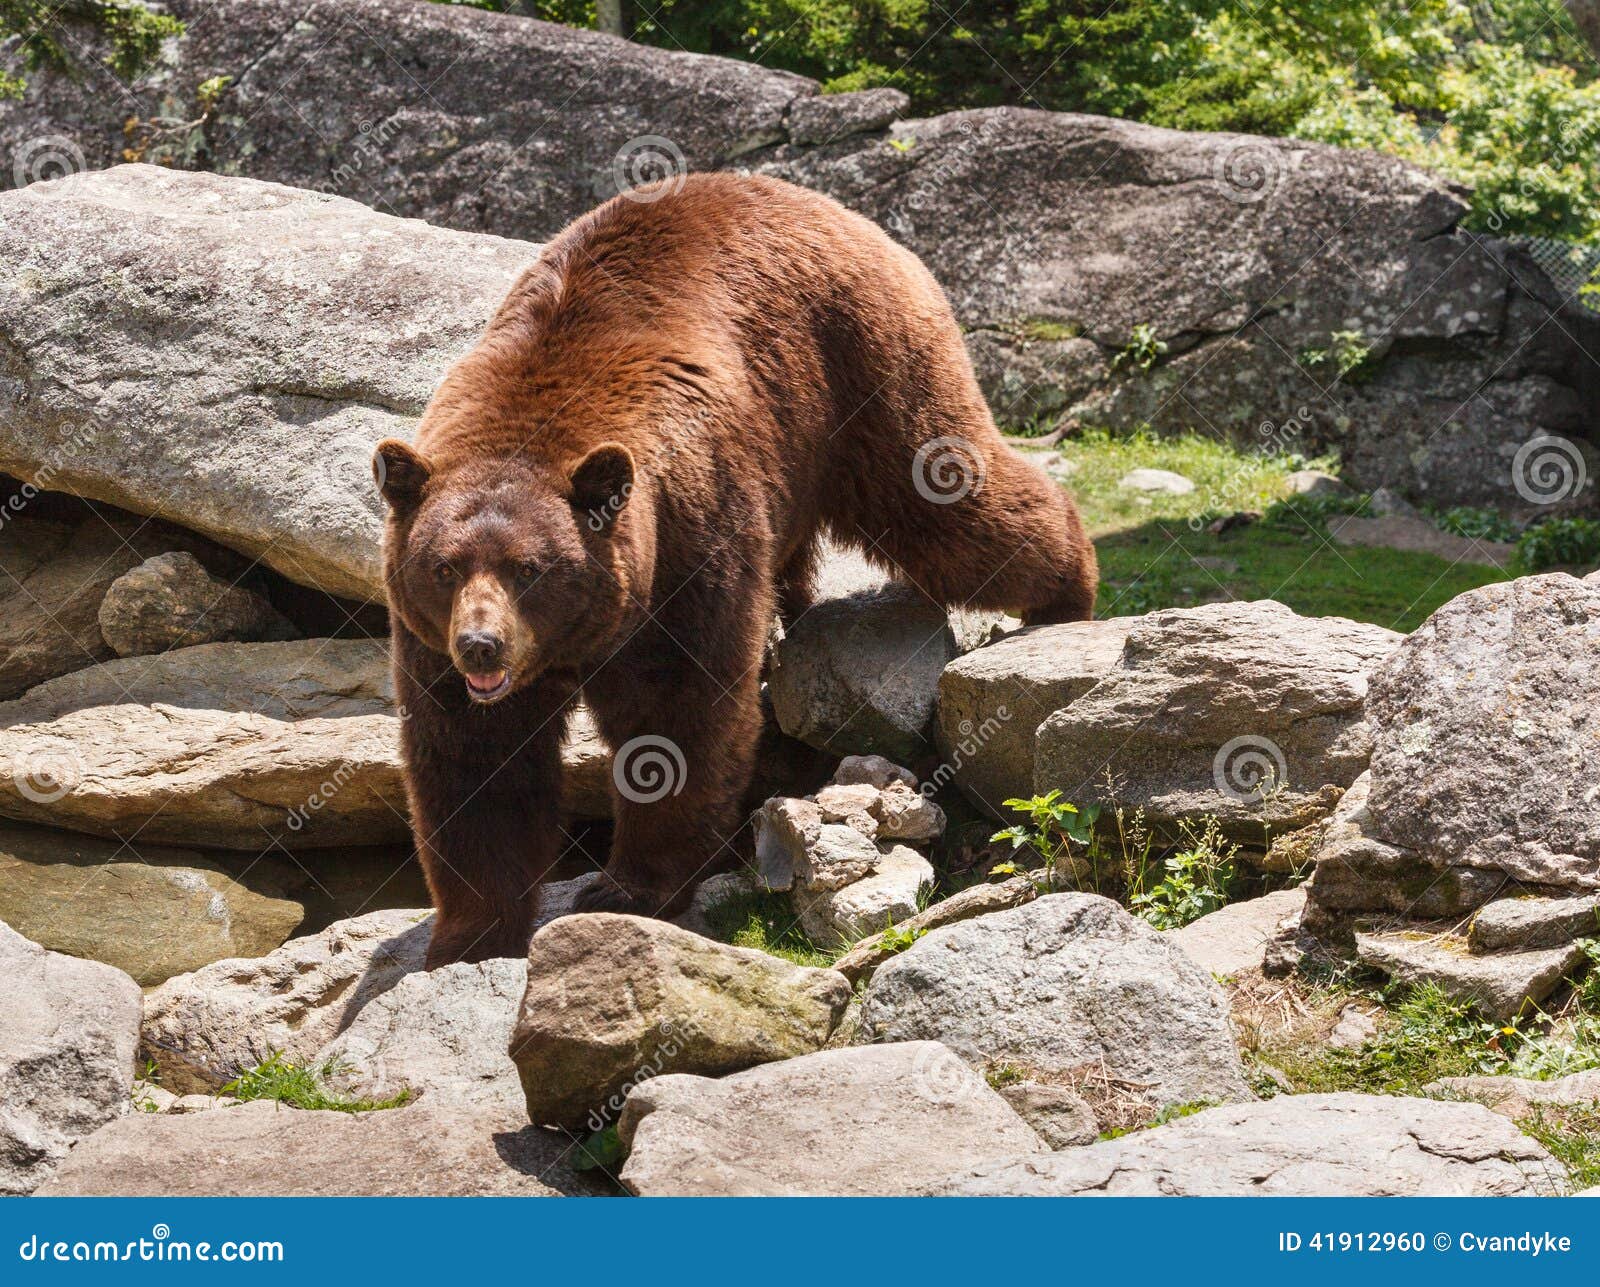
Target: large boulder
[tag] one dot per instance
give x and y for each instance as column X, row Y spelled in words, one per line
column 1064, row 983
column 205, row 1028
column 172, row 601
column 1246, row 712
column 437, row 1034
column 265, row 1149
column 150, row 911
column 992, row 701
column 68, row 1031
column 234, row 745
column 277, row 336
column 612, row 1000
column 1356, row 1146
column 877, row 1121
column 1493, row 688
column 1236, row 252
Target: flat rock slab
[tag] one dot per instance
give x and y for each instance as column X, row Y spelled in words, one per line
column 614, row 999
column 978, row 900
column 203, row 1029
column 312, row 327
column 228, row 744
column 1062, row 983
column 150, row 911
column 1245, row 712
column 1234, row 938
column 1418, row 536
column 1500, row 984
column 1516, row 1097
column 264, row 1149
column 861, row 1122
column 992, row 701
column 1341, row 1145
column 68, row 1030
column 1533, row 922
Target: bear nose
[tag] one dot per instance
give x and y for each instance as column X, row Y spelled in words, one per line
column 479, row 650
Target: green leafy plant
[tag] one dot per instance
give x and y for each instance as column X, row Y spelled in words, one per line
column 897, row 938
column 1196, row 881
column 1143, row 349
column 133, row 35
column 1347, row 354
column 1052, row 827
column 1475, row 524
column 301, row 1087
column 1559, row 542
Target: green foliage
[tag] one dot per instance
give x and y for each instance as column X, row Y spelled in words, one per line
column 1143, row 349
column 1475, row 524
column 300, row 1087
column 1310, row 513
column 766, row 922
column 1197, row 878
column 1346, row 356
column 1052, row 827
column 1559, row 542
column 601, row 1151
column 896, row 938
column 133, row 34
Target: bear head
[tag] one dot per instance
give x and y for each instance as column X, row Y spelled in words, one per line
column 509, row 567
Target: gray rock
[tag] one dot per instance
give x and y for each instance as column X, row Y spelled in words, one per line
column 826, row 118
column 313, row 327
column 1314, row 482
column 1058, row 984
column 203, row 1029
column 439, row 1034
column 795, row 846
column 1500, row 984
column 171, row 601
column 871, row 770
column 1156, row 480
column 1342, row 1145
column 1495, row 687
column 264, row 1149
column 851, row 805
column 1233, row 939
column 1417, row 535
column 976, row 900
column 889, row 894
column 1516, row 1097
column 150, row 911
column 992, row 701
column 1246, row 712
column 68, row 1030
column 1062, row 1118
column 859, row 674
column 227, row 744
column 1355, row 1028
column 1533, row 922
column 879, row 1121
column 903, row 814
column 613, row 1000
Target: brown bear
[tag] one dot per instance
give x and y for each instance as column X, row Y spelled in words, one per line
column 617, row 489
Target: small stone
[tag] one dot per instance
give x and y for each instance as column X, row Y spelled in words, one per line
column 1355, row 1028
column 858, row 1122
column 889, row 895
column 904, row 814
column 1500, row 984
column 795, row 846
column 171, row 601
column 612, row 1000
column 851, row 805
column 1062, row 1118
column 1517, row 1097
column 872, row 770
column 1156, row 480
column 1314, row 482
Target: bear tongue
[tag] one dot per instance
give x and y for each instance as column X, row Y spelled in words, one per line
column 486, row 683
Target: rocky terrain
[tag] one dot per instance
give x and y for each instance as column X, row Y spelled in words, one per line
column 1130, row 906
column 1106, row 272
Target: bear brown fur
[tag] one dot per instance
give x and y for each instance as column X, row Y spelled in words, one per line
column 614, row 492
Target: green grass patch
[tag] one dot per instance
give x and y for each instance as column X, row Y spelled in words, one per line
column 768, row 923
column 300, row 1087
column 1573, row 1136
column 1155, row 551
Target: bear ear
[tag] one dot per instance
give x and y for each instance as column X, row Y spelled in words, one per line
column 602, row 482
column 401, row 475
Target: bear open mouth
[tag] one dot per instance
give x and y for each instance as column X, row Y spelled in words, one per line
column 487, row 687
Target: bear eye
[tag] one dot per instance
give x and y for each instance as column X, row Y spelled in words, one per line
column 528, row 571
column 444, row 572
